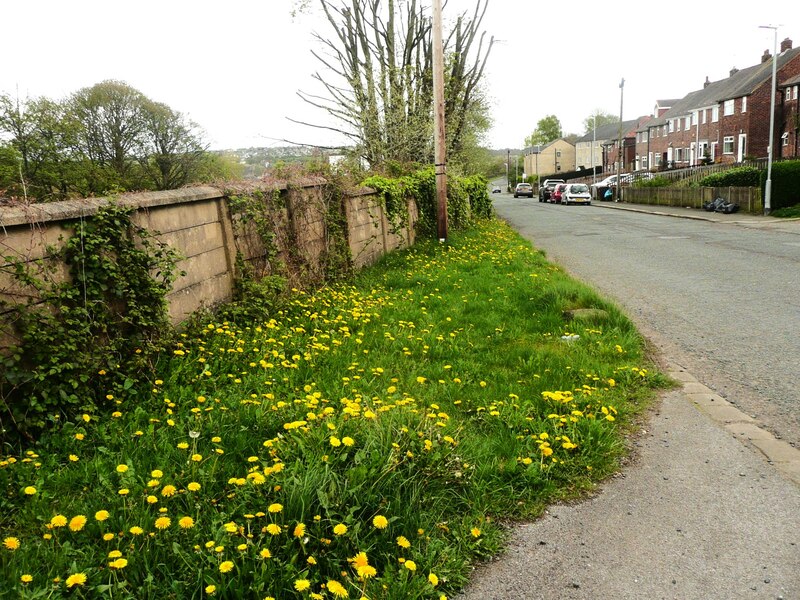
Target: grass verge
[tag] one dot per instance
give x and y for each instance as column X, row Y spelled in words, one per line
column 367, row 441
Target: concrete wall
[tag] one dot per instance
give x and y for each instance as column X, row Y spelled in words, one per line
column 198, row 223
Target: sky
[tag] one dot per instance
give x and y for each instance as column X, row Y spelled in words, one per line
column 235, row 67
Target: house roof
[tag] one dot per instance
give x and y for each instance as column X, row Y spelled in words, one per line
column 538, row 149
column 609, row 131
column 793, row 81
column 741, row 83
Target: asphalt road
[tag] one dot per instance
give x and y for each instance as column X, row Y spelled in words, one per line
column 721, row 299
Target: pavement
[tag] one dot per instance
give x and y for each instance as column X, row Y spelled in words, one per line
column 707, row 508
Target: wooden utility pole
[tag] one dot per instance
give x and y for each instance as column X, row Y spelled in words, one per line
column 440, row 152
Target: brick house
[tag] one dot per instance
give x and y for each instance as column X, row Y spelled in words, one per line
column 602, row 138
column 611, row 147
column 550, row 159
column 726, row 120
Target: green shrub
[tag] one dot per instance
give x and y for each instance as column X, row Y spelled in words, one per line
column 657, row 181
column 785, row 184
column 736, row 177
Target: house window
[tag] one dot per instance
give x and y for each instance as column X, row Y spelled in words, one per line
column 558, row 153
column 671, row 125
column 795, row 91
column 727, row 144
column 744, row 104
column 644, row 162
column 785, row 138
column 703, row 117
column 727, row 108
column 678, row 154
column 657, row 160
column 715, row 114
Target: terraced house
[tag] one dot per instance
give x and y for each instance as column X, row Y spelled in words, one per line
column 727, row 120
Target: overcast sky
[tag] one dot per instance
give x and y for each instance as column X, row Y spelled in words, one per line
column 234, row 67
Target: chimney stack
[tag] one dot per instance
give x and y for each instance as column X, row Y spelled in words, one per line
column 786, row 45
column 766, row 56
column 707, row 82
column 734, row 71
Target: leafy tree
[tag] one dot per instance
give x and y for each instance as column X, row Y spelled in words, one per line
column 548, row 129
column 378, row 81
column 598, row 119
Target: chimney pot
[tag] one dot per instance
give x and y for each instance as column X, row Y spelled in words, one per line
column 786, row 45
column 734, row 71
column 766, row 56
column 707, row 82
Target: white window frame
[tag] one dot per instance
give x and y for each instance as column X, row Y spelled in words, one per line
column 671, row 125
column 728, row 108
column 715, row 114
column 744, row 104
column 727, row 144
column 795, row 91
column 703, row 117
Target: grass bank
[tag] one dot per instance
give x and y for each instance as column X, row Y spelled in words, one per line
column 365, row 441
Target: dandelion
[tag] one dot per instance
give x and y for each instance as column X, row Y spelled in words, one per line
column 475, row 532
column 11, row 543
column 156, row 474
column 337, row 589
column 273, row 529
column 26, row 578
column 380, row 522
column 124, row 492
column 101, row 515
column 299, row 530
column 301, row 585
column 152, row 499
column 210, row 589
column 410, row 565
column 169, row 490
column 162, row 523
column 107, row 537
column 403, row 542
column 193, row 486
column 265, row 553
column 348, row 441
column 186, row 522
column 226, row 566
column 29, row 491
column 335, row 442
column 359, row 560
column 340, row 529
column 58, row 521
column 122, row 468
column 79, row 436
column 366, row 571
column 76, row 579
column 136, row 530
column 119, row 563
column 77, row 522
column 114, row 554
column 311, row 560
column 275, row 508
column 197, row 457
column 433, row 579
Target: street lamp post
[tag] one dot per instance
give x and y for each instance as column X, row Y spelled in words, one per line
column 619, row 154
column 768, row 185
column 594, row 141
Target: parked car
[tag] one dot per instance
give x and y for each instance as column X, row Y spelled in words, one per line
column 496, row 189
column 576, row 193
column 555, row 195
column 523, row 189
column 599, row 189
column 547, row 188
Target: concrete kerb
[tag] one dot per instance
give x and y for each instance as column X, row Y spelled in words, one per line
column 783, row 456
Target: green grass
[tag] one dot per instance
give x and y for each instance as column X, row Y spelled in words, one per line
column 789, row 212
column 436, row 392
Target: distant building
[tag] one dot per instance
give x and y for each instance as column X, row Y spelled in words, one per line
column 549, row 159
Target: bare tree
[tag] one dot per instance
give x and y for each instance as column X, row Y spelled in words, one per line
column 378, row 82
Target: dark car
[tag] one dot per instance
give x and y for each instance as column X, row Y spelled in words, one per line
column 523, row 189
column 555, row 195
column 547, row 188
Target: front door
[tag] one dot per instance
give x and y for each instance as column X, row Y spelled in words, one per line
column 742, row 146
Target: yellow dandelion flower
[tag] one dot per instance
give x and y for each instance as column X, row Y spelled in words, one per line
column 299, row 530
column 337, row 589
column 122, row 468
column 76, row 579
column 163, row 523
column 186, row 522
column 410, row 565
column 335, row 442
column 193, row 486
column 152, row 499
column 433, row 579
column 11, row 543
column 366, row 571
column 475, row 532
column 340, row 529
column 210, row 589
column 273, row 529
column 226, row 566
column 124, row 492
column 403, row 542
column 77, row 522
column 380, row 522
column 119, row 563
column 79, row 436
column 136, row 530
column 168, row 490
column 197, row 457
column 275, row 508
column 29, row 491
column 311, row 560
column 348, row 441
column 108, row 537
column 359, row 560
column 26, row 578
column 156, row 474
column 265, row 553
column 58, row 521
column 101, row 515
column 301, row 585
column 114, row 554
